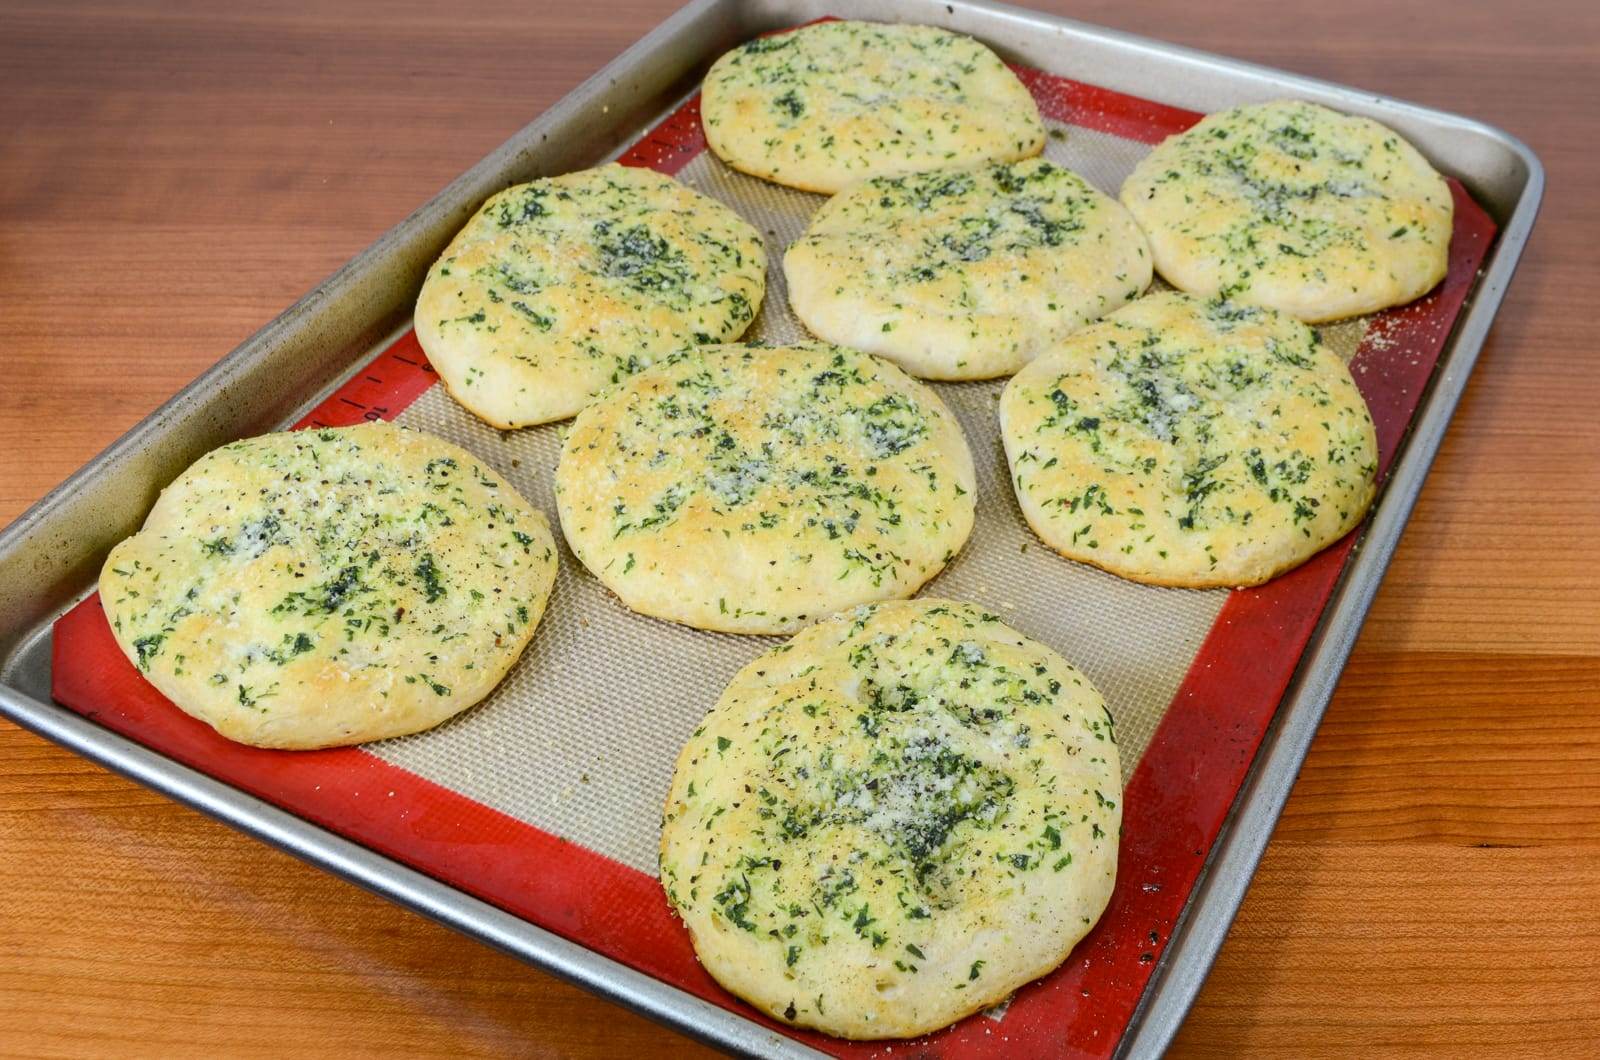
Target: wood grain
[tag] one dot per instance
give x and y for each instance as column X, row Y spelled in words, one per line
column 173, row 174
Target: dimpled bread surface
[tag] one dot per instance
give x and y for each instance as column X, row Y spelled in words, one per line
column 893, row 820
column 751, row 489
column 830, row 104
column 1295, row 207
column 1190, row 443
column 559, row 287
column 965, row 273
column 328, row 587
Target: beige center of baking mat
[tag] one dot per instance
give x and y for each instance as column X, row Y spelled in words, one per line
column 581, row 738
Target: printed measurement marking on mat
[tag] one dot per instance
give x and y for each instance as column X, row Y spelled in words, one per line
column 386, row 387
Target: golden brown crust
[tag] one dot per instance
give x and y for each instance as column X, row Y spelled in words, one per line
column 753, row 489
column 965, row 273
column 1190, row 444
column 894, row 820
column 562, row 286
column 330, row 587
column 1295, row 207
column 829, row 104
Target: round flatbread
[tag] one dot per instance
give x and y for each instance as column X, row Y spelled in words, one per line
column 1295, row 207
column 833, row 103
column 751, row 490
column 895, row 819
column 327, row 587
column 1190, row 443
column 965, row 273
column 559, row 287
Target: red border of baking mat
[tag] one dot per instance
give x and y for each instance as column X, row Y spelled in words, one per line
column 1174, row 802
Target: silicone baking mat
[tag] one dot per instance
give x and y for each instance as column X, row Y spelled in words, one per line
column 545, row 799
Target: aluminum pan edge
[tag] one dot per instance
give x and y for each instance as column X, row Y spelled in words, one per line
column 45, row 566
column 421, row 894
column 1471, row 150
column 1218, row 893
column 1234, row 857
column 50, row 552
column 339, row 313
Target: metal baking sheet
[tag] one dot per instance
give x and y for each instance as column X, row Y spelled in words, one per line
column 603, row 794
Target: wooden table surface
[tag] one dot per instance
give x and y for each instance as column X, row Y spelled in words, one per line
column 172, row 176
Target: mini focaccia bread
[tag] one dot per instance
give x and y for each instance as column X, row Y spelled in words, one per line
column 1190, row 443
column 1295, row 207
column 829, row 104
column 560, row 287
column 965, row 273
column 327, row 587
column 750, row 489
column 893, row 820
